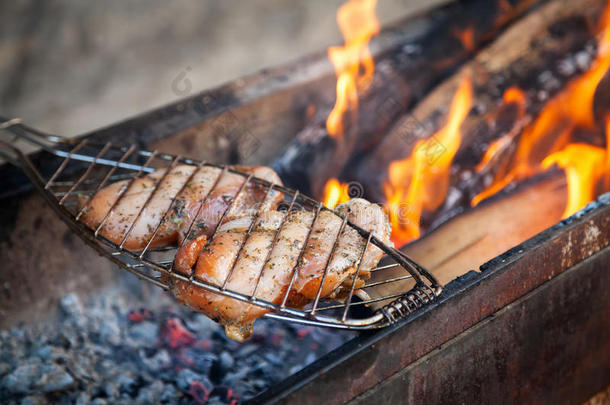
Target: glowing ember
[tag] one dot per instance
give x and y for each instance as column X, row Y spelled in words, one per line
column 140, row 315
column 175, row 334
column 547, row 140
column 511, row 96
column 504, row 8
column 515, row 95
column 335, row 193
column 199, row 393
column 466, row 37
column 420, row 182
column 353, row 63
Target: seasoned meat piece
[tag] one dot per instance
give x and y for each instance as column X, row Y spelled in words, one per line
column 213, row 265
column 344, row 261
column 251, row 264
column 182, row 212
column 369, row 217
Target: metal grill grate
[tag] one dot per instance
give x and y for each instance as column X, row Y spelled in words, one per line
column 82, row 167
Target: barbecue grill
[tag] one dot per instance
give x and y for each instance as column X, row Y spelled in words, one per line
column 80, row 174
column 529, row 324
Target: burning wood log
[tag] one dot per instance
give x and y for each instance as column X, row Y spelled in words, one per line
column 469, row 240
column 513, row 60
column 404, row 74
column 535, row 55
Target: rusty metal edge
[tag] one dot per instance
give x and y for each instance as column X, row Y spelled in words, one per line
column 462, row 382
column 375, row 356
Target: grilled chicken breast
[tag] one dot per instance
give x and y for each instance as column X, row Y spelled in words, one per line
column 349, row 248
column 180, row 194
column 262, row 263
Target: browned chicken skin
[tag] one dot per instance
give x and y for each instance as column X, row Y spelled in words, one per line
column 246, row 268
column 241, row 243
column 246, row 255
column 188, row 201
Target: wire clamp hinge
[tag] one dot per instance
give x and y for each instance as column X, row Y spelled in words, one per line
column 414, row 299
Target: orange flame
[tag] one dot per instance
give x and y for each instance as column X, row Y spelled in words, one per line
column 420, row 182
column 353, row 62
column 517, row 96
column 584, row 166
column 335, row 193
column 466, row 37
column 587, row 170
column 552, row 130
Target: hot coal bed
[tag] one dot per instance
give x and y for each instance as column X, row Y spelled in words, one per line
column 135, row 344
column 530, row 326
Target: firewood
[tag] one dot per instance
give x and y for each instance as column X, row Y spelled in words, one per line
column 403, row 76
column 534, row 48
column 466, row 242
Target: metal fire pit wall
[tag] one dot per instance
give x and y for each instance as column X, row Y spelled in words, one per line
column 532, row 327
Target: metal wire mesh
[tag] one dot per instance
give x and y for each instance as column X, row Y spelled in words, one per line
column 82, row 168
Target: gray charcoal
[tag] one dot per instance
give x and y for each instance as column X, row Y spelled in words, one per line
column 310, row 358
column 202, row 360
column 33, row 377
column 215, row 401
column 246, row 350
column 151, row 394
column 273, row 358
column 260, row 384
column 127, row 383
column 4, row 369
column 159, row 361
column 23, row 378
column 143, row 334
column 116, row 360
column 264, row 369
column 71, row 305
column 83, row 369
column 82, row 399
column 106, row 367
column 49, row 353
column 170, row 394
column 17, row 334
column 295, row 369
column 101, row 351
column 231, row 379
column 244, row 389
column 185, row 379
column 202, row 325
column 108, row 333
column 111, row 389
column 54, row 378
column 226, row 361
column 34, row 400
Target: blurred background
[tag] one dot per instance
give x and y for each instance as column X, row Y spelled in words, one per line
column 69, row 67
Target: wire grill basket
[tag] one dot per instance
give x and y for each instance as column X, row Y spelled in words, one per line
column 81, row 167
